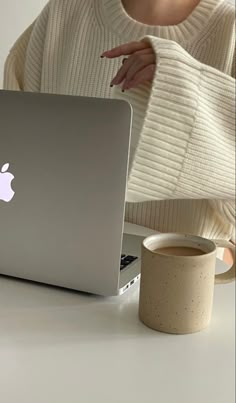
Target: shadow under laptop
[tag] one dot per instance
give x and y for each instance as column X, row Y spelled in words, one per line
column 32, row 313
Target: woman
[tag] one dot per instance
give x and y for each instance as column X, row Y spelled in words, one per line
column 174, row 61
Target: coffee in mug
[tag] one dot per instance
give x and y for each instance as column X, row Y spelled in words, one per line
column 177, row 282
column 179, row 251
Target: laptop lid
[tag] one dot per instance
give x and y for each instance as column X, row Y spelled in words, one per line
column 62, row 223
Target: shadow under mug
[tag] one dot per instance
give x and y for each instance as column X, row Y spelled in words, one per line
column 176, row 292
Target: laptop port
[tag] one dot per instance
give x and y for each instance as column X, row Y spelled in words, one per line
column 132, row 282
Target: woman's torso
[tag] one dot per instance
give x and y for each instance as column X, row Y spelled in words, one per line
column 76, row 34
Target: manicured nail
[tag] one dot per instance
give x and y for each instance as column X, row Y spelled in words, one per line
column 104, row 54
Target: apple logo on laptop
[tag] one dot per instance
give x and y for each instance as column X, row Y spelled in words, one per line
column 6, row 192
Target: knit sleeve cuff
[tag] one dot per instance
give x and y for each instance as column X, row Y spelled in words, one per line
column 167, row 125
column 186, row 149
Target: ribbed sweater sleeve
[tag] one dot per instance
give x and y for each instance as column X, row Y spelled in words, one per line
column 15, row 63
column 187, row 144
column 22, row 70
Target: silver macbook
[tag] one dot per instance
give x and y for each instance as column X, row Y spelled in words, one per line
column 63, row 178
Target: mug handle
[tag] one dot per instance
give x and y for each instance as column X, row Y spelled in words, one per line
column 229, row 275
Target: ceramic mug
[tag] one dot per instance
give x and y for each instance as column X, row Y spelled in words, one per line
column 176, row 292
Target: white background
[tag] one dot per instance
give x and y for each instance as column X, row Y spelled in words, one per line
column 15, row 17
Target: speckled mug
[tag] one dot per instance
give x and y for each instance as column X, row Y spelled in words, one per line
column 176, row 292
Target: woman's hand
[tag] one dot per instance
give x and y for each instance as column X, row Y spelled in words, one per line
column 228, row 256
column 138, row 68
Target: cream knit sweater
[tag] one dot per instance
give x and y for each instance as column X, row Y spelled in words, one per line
column 182, row 169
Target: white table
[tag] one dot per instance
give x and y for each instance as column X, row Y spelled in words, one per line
column 58, row 346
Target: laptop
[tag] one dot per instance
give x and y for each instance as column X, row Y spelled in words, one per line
column 63, row 179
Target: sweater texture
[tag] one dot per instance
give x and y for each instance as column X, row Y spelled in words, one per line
column 182, row 162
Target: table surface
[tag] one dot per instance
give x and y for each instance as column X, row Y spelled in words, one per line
column 60, row 346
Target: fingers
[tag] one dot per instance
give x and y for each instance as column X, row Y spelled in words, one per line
column 131, row 66
column 137, row 67
column 126, row 49
column 146, row 74
column 121, row 74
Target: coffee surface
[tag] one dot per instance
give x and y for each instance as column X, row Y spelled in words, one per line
column 180, row 251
